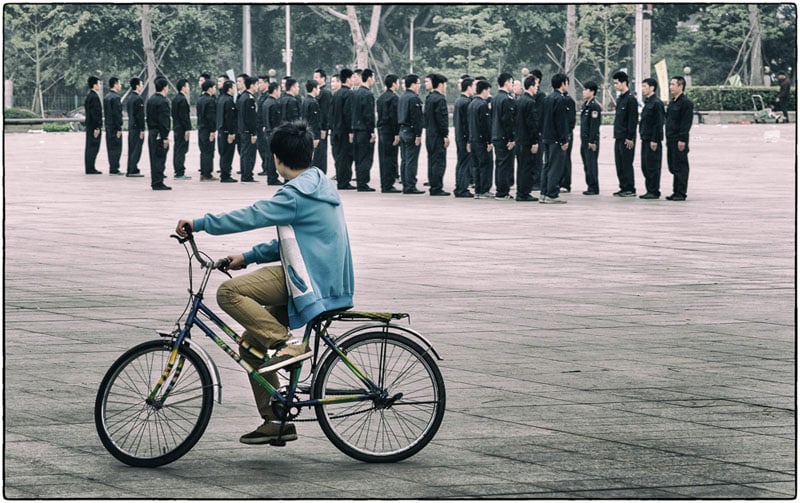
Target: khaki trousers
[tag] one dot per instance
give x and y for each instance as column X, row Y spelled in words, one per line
column 258, row 302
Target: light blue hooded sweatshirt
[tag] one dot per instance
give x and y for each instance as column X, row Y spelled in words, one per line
column 312, row 243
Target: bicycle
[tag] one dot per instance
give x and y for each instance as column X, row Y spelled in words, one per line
column 376, row 390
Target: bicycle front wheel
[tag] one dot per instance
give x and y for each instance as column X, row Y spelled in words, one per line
column 150, row 433
column 372, row 430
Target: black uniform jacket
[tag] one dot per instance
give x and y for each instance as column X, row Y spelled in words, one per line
column 158, row 116
column 311, row 114
column 555, row 119
column 409, row 112
column 503, row 117
column 679, row 118
column 112, row 107
column 94, row 111
column 387, row 113
column 206, row 113
column 135, row 107
column 651, row 125
column 480, row 121
column 436, row 118
column 626, row 117
column 181, row 120
column 363, row 110
column 527, row 132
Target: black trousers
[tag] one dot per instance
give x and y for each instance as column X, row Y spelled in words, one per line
column 566, row 178
column 553, row 170
column 179, row 153
column 247, row 156
column 226, row 151
column 343, row 159
column 481, row 167
column 437, row 161
column 387, row 160
column 504, row 168
column 262, row 145
column 651, row 167
column 114, row 149
column 363, row 156
column 158, row 158
column 678, row 164
column 463, row 169
column 272, row 171
column 134, row 151
column 206, row 153
column 321, row 155
column 623, row 158
column 589, row 159
column 536, row 170
column 91, row 151
column 409, row 159
column 524, row 170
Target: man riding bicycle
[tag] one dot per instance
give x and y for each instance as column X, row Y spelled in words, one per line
column 315, row 275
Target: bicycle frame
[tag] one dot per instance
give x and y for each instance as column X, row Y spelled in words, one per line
column 193, row 319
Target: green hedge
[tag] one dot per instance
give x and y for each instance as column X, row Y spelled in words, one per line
column 56, row 127
column 714, row 98
column 20, row 113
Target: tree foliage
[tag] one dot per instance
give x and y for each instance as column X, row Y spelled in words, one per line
column 474, row 37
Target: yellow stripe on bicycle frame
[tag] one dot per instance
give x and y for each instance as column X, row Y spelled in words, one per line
column 171, row 363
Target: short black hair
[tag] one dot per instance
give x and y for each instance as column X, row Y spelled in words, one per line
column 265, row 78
column 244, row 76
column 112, row 82
column 222, row 76
column 293, row 144
column 481, row 86
column 180, row 84
column 366, row 74
column 390, row 80
column 321, row 73
column 290, row 82
column 249, row 82
column 503, row 78
column 227, row 85
column 621, row 77
column 311, row 84
column 135, row 82
column 345, row 73
column 437, row 79
column 558, row 80
column 161, row 83
column 465, row 83
column 206, row 76
column 650, row 82
column 410, row 80
column 681, row 81
column 537, row 73
column 272, row 87
column 465, row 76
column 530, row 81
column 91, row 81
column 208, row 84
column 590, row 85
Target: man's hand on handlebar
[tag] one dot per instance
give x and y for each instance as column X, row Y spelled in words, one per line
column 181, row 231
column 237, row 262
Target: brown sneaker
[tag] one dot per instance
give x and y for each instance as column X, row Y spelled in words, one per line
column 268, row 432
column 287, row 355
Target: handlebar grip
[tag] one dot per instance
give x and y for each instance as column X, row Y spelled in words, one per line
column 187, row 229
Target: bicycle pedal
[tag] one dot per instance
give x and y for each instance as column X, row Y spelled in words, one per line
column 278, row 443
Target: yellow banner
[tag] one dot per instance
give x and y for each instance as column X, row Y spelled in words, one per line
column 663, row 80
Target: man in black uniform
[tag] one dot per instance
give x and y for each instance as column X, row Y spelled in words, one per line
column 342, row 116
column 271, row 119
column 480, row 139
column 207, row 130
column 309, row 110
column 388, row 134
column 625, row 119
column 135, row 108
column 461, row 127
column 566, row 178
column 112, row 107
column 362, row 135
column 527, row 139
column 410, row 119
column 503, row 135
column 591, row 119
column 263, row 86
column 325, row 100
column 290, row 107
column 226, row 131
column 158, row 123
column 247, row 128
column 181, row 125
column 651, row 131
column 783, row 94
column 538, row 159
column 556, row 137
column 437, row 136
column 93, row 121
column 677, row 126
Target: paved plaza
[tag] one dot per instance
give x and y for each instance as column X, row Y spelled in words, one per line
column 605, row 348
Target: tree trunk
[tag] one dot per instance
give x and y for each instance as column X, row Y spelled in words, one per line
column 363, row 43
column 147, row 43
column 571, row 47
column 755, row 48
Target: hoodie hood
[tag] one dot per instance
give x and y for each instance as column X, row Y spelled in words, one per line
column 313, row 183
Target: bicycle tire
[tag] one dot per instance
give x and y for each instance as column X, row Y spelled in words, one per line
column 144, row 435
column 363, row 430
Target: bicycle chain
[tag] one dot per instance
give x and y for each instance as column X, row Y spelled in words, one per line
column 295, row 420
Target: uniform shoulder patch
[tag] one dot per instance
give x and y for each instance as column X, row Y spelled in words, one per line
column 595, row 114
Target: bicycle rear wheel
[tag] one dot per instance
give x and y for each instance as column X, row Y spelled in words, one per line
column 370, row 430
column 145, row 434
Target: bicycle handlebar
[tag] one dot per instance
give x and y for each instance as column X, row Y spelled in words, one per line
column 221, row 264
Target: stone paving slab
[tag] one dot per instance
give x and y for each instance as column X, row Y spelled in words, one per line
column 605, row 348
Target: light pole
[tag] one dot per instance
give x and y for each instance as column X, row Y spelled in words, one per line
column 247, row 53
column 287, row 52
